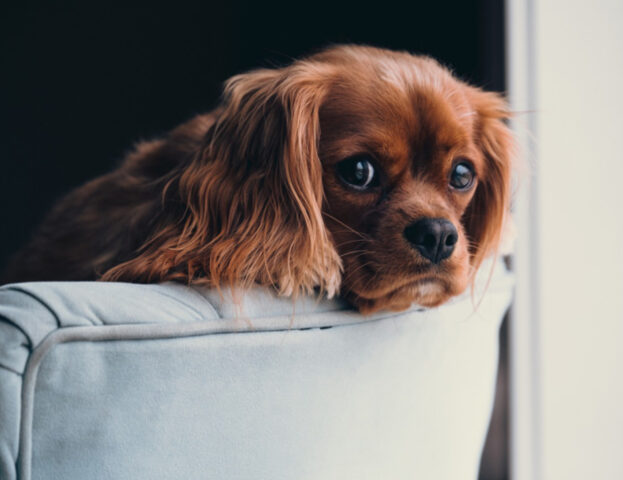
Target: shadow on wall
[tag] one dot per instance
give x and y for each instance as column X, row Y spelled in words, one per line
column 83, row 83
column 495, row 458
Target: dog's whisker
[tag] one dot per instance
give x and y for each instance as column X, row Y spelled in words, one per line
column 357, row 241
column 352, row 252
column 348, row 228
column 351, row 273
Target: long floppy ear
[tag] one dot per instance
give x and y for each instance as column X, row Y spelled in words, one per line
column 252, row 196
column 485, row 217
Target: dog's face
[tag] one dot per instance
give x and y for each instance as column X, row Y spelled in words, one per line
column 389, row 177
column 359, row 171
column 402, row 163
column 400, row 170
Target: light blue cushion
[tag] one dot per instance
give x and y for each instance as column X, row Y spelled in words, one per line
column 124, row 381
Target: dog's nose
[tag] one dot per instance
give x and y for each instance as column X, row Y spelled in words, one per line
column 434, row 238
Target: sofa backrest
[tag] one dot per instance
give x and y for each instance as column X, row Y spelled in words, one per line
column 124, row 381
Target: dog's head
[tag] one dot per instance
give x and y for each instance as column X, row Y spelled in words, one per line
column 371, row 173
column 416, row 176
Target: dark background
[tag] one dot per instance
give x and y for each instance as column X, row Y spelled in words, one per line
column 80, row 83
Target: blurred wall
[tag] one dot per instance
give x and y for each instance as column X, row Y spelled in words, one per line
column 566, row 71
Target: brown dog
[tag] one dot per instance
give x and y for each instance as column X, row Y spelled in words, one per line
column 371, row 173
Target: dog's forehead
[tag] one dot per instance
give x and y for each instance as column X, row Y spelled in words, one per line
column 397, row 113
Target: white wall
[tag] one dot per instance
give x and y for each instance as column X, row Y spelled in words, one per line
column 566, row 64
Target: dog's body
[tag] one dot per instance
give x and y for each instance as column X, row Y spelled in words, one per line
column 371, row 173
column 105, row 222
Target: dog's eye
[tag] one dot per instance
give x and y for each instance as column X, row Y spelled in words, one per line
column 462, row 176
column 358, row 172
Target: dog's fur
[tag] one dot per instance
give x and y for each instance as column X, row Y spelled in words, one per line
column 249, row 193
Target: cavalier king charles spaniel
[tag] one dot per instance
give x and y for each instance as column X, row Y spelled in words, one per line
column 357, row 171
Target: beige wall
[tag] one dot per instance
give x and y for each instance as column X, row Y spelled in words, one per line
column 566, row 64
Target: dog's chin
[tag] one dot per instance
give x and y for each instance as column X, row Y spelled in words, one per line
column 428, row 292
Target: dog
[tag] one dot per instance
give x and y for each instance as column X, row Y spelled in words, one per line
column 358, row 171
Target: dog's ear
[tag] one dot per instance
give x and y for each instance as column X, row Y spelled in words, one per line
column 488, row 210
column 253, row 195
